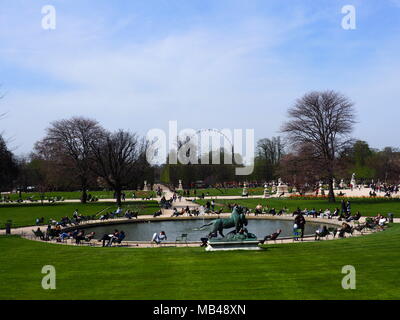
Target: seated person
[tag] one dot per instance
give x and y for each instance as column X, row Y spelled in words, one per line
column 105, row 216
column 258, row 210
column 109, row 238
column 128, row 214
column 203, row 242
column 346, row 228
column 282, row 211
column 327, row 213
column 272, row 211
column 297, row 212
column 320, row 233
column 336, row 212
column 158, row 237
column 312, row 213
column 64, row 235
column 356, row 217
column 80, row 236
column 175, row 213
column 90, row 236
column 157, row 213
column 106, row 237
column 39, row 233
column 382, row 222
column 118, row 237
column 53, row 233
column 272, row 236
column 116, row 213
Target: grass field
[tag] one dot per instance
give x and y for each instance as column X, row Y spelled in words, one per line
column 74, row 195
column 25, row 214
column 226, row 191
column 283, row 271
column 366, row 206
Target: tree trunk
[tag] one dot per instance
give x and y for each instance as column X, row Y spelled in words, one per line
column 84, row 195
column 118, row 192
column 331, row 192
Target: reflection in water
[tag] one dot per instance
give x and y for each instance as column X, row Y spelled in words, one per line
column 143, row 231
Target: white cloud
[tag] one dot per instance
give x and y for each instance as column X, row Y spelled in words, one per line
column 203, row 77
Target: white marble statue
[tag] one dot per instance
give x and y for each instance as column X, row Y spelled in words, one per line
column 245, row 192
column 353, row 180
column 180, row 187
column 266, row 195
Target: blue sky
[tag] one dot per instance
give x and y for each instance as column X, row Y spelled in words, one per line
column 207, row 64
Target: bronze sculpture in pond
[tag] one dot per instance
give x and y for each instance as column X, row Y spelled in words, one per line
column 236, row 220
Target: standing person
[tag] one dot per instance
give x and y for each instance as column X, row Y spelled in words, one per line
column 187, row 210
column 208, row 206
column 301, row 222
column 348, row 207
column 212, row 204
column 343, row 204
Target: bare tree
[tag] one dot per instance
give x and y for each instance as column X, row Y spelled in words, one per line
column 270, row 152
column 68, row 144
column 117, row 156
column 270, row 149
column 325, row 120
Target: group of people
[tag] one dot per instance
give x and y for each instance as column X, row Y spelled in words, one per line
column 123, row 196
column 56, row 233
column 65, row 221
column 189, row 212
column 387, row 189
column 115, row 237
column 260, row 210
column 119, row 213
column 166, row 204
column 343, row 214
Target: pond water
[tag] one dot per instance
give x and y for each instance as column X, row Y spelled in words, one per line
column 143, row 231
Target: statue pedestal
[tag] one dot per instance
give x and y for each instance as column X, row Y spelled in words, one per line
column 221, row 245
column 283, row 188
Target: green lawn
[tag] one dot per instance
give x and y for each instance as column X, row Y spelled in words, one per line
column 74, row 195
column 226, row 191
column 25, row 214
column 366, row 206
column 283, row 271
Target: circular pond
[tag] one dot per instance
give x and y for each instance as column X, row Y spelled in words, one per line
column 143, row 231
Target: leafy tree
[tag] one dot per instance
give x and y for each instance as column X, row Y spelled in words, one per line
column 8, row 166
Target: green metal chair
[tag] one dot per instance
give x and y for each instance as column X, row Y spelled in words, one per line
column 182, row 238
